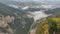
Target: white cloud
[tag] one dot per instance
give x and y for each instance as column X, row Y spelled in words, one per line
column 14, row 6
column 25, row 8
column 38, row 15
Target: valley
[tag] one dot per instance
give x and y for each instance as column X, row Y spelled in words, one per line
column 29, row 17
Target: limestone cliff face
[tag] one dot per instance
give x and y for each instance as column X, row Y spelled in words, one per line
column 5, row 20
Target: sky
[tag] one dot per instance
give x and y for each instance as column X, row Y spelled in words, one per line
column 33, row 0
column 37, row 0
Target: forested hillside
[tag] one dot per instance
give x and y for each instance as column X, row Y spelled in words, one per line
column 49, row 25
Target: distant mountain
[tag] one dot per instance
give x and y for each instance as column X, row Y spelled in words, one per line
column 10, row 9
column 53, row 11
column 19, row 3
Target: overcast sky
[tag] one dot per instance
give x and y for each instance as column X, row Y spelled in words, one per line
column 36, row 0
column 39, row 1
column 31, row 0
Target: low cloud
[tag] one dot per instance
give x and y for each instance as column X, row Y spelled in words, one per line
column 38, row 15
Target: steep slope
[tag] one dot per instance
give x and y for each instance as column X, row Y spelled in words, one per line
column 53, row 11
column 10, row 9
column 49, row 25
column 14, row 20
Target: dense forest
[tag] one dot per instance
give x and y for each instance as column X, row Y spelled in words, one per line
column 49, row 25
